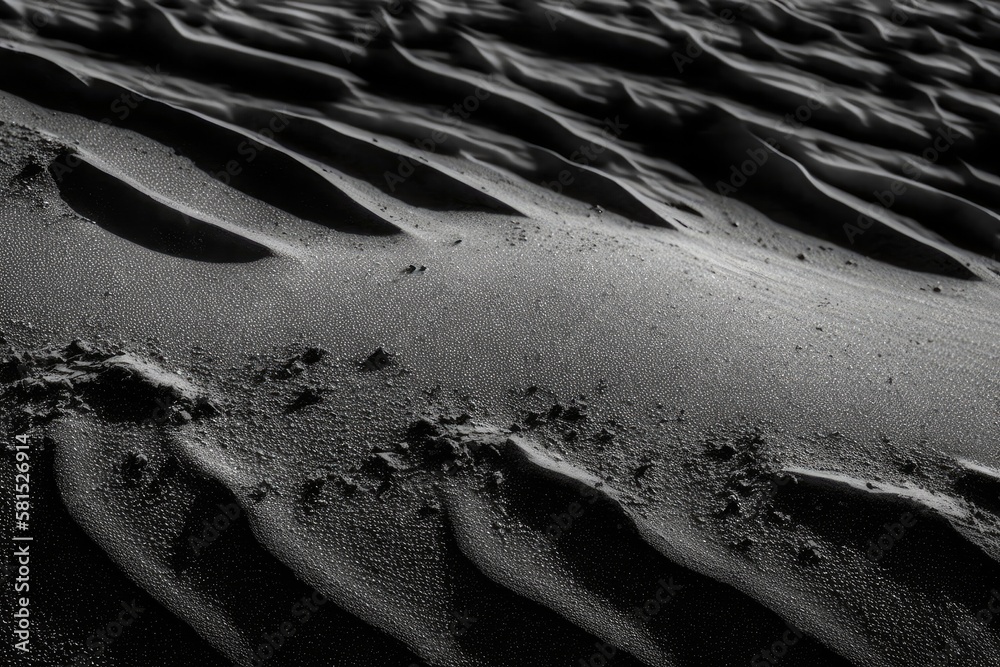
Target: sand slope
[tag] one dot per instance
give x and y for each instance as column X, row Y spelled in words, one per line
column 444, row 405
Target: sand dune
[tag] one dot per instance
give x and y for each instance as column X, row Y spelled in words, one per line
column 440, row 333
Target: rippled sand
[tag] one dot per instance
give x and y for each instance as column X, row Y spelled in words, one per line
column 505, row 333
